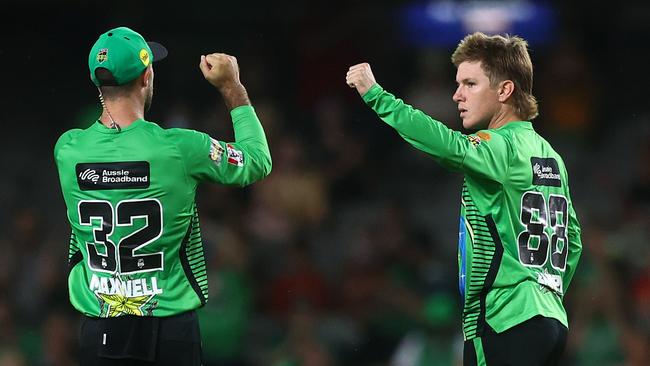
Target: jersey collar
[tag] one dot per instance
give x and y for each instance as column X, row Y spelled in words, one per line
column 517, row 124
column 99, row 127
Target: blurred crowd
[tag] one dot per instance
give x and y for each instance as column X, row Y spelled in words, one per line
column 346, row 253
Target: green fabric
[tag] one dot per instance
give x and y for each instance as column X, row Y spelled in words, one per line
column 517, row 219
column 123, row 52
column 140, row 248
column 480, row 355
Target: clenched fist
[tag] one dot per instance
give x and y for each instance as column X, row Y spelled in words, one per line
column 220, row 69
column 360, row 77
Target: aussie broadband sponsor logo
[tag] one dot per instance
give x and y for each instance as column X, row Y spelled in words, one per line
column 89, row 175
column 127, row 288
column 545, row 172
column 114, row 175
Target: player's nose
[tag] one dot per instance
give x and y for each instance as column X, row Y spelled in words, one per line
column 458, row 96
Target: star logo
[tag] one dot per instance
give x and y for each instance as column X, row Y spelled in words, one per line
column 119, row 304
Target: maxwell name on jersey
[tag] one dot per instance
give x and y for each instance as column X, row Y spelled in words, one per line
column 124, row 296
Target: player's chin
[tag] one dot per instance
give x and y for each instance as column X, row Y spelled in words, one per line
column 468, row 124
column 473, row 124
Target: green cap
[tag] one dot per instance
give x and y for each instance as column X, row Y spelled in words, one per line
column 124, row 54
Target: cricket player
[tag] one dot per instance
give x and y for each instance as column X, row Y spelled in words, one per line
column 519, row 241
column 136, row 265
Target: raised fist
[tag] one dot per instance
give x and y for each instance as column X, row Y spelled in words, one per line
column 220, row 69
column 360, row 77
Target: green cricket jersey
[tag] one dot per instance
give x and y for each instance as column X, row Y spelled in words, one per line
column 519, row 240
column 136, row 243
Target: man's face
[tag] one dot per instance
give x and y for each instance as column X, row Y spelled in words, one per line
column 477, row 101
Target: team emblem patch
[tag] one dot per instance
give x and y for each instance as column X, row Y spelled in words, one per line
column 216, row 151
column 102, row 55
column 117, row 295
column 484, row 135
column 475, row 140
column 235, row 157
column 144, row 57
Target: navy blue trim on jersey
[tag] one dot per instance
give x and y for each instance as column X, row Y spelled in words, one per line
column 462, row 272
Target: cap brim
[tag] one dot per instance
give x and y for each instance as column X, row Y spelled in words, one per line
column 159, row 51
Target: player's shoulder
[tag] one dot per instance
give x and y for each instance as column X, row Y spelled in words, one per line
column 67, row 137
column 188, row 141
column 184, row 133
column 174, row 135
column 490, row 137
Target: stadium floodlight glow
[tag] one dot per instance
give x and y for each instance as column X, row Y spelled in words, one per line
column 443, row 22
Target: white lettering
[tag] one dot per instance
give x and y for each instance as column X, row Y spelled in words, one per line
column 124, row 179
column 94, row 283
column 103, row 285
column 548, row 176
column 137, row 288
column 145, row 288
column 154, row 286
column 116, row 172
column 115, row 285
column 128, row 288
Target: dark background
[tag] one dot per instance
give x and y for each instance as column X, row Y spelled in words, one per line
column 346, row 254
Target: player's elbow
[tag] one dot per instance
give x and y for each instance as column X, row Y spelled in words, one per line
column 575, row 241
column 262, row 168
column 266, row 165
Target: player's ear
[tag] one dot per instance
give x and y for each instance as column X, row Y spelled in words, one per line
column 505, row 90
column 147, row 76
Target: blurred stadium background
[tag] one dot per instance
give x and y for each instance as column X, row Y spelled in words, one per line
column 346, row 254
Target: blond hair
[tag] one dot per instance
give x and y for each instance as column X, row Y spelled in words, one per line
column 502, row 58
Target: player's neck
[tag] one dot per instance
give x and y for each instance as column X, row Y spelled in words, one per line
column 124, row 112
column 503, row 117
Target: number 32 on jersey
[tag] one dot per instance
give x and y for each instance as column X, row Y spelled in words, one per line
column 123, row 257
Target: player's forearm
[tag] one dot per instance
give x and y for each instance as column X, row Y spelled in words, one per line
column 250, row 137
column 234, row 95
column 418, row 129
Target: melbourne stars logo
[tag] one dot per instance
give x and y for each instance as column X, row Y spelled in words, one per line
column 119, row 295
column 102, row 55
